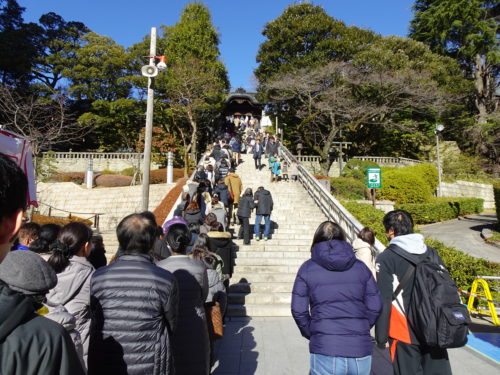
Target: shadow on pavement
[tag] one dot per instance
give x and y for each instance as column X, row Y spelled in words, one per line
column 235, row 352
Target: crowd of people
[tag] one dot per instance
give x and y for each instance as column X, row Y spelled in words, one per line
column 155, row 309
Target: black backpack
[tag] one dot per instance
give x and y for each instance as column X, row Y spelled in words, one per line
column 435, row 313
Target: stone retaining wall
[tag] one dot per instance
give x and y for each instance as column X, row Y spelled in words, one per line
column 470, row 190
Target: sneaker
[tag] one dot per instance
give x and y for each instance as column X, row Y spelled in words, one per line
column 265, row 238
column 257, row 239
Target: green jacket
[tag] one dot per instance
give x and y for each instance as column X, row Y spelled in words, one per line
column 31, row 344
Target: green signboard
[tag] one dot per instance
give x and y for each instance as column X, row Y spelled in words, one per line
column 373, row 178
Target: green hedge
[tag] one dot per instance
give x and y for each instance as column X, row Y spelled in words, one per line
column 369, row 217
column 404, row 186
column 428, row 172
column 348, row 188
column 441, row 209
column 356, row 168
column 463, row 268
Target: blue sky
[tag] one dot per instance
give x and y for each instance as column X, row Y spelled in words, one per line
column 239, row 22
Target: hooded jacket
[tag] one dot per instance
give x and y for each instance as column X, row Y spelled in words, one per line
column 31, row 344
column 265, row 202
column 221, row 244
column 193, row 216
column 335, row 301
column 73, row 292
column 391, row 268
column 222, row 191
column 245, row 206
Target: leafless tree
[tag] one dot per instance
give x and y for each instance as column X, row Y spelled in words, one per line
column 43, row 121
column 339, row 96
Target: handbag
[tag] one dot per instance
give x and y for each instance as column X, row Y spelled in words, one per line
column 214, row 320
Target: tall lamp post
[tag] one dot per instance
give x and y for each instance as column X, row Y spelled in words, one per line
column 149, row 71
column 437, row 130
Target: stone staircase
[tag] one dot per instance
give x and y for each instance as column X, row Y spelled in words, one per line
column 265, row 271
column 114, row 203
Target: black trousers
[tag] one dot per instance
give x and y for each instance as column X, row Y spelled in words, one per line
column 257, row 163
column 245, row 228
column 414, row 359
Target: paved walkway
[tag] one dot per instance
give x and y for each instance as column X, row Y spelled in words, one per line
column 465, row 235
column 264, row 346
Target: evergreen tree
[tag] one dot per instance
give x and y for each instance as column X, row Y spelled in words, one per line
column 196, row 81
column 99, row 71
column 466, row 30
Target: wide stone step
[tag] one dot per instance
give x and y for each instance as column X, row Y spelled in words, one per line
column 256, row 277
column 267, row 269
column 273, row 254
column 261, row 287
column 270, row 246
column 271, row 261
column 259, row 298
column 259, row 310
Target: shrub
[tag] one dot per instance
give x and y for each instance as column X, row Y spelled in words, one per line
column 348, row 188
column 368, row 216
column 127, row 172
column 463, row 268
column 42, row 219
column 403, row 186
column 76, row 177
column 356, row 168
column 440, row 209
column 428, row 172
column 112, row 180
column 158, row 176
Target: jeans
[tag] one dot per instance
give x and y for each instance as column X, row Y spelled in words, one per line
column 326, row 365
column 267, row 225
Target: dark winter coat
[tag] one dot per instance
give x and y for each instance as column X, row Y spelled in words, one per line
column 246, row 206
column 31, row 344
column 258, row 151
column 335, row 301
column 236, row 146
column 223, row 192
column 190, row 340
column 272, row 148
column 193, row 216
column 134, row 313
column 265, row 202
column 391, row 268
column 221, row 244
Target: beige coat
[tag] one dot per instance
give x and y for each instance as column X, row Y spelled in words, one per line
column 364, row 253
column 233, row 182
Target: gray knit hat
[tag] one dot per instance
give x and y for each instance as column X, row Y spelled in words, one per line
column 27, row 272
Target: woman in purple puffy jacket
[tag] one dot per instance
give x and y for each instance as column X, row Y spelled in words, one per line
column 335, row 302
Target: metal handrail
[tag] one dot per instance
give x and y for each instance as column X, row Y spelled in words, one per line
column 330, row 206
column 389, row 159
column 94, row 215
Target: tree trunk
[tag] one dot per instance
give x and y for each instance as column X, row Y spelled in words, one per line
column 194, row 139
column 480, row 78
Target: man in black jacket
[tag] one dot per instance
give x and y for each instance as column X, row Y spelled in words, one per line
column 392, row 328
column 133, row 307
column 264, row 203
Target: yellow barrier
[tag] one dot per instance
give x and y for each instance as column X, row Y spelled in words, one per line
column 484, row 295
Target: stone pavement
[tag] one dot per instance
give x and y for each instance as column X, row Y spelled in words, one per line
column 265, row 346
column 465, row 234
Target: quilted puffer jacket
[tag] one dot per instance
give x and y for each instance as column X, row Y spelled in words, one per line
column 133, row 315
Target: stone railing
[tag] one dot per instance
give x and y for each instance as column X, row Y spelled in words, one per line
column 78, row 161
column 390, row 161
column 330, row 206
